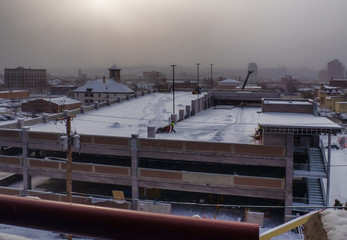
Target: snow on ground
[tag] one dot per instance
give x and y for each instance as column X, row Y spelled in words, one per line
column 338, row 189
column 335, row 222
column 134, row 116
column 125, row 118
column 218, row 125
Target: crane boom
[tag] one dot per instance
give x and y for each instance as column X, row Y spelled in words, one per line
column 249, row 73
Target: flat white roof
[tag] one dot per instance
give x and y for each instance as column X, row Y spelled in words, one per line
column 123, row 119
column 287, row 102
column 233, row 125
column 274, row 119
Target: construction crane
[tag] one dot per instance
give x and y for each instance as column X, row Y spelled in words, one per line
column 248, row 75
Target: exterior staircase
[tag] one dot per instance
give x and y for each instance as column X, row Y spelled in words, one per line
column 316, row 160
column 315, row 193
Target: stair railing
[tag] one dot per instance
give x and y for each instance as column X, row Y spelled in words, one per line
column 321, row 146
column 323, row 190
column 308, row 152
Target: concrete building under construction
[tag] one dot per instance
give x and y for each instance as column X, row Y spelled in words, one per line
column 285, row 169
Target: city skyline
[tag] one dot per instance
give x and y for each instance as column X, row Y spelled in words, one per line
column 228, row 34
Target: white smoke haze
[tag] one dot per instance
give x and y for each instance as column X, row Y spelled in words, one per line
column 227, row 33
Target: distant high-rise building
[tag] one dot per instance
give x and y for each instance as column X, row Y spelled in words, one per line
column 20, row 78
column 335, row 69
column 323, row 75
column 254, row 76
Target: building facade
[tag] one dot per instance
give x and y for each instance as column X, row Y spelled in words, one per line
column 20, row 78
column 335, row 69
column 274, row 172
column 50, row 105
column 101, row 90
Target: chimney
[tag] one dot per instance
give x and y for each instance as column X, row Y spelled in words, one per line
column 104, row 79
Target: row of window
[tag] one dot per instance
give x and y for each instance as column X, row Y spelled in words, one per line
column 92, row 101
column 92, row 94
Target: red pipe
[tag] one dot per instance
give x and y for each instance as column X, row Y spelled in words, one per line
column 109, row 223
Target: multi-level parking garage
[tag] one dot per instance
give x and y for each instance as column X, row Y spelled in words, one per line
column 212, row 152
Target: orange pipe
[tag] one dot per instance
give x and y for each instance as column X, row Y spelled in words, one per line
column 109, row 223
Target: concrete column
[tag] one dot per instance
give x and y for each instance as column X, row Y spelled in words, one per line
column 188, row 111
column 208, row 100
column 289, row 178
column 83, row 108
column 193, row 107
column 20, row 123
column 173, row 117
column 134, row 166
column 26, row 177
column 197, row 106
column 181, row 114
column 328, row 170
column 151, row 132
column 45, row 118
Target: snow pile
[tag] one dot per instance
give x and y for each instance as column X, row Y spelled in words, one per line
column 335, row 222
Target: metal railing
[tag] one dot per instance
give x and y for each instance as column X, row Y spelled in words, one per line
column 107, row 223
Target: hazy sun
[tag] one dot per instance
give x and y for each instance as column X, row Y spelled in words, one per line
column 99, row 4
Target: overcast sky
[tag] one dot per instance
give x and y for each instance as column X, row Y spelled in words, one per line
column 227, row 33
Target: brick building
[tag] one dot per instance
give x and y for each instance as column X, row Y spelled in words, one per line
column 50, row 105
column 14, row 94
column 20, row 78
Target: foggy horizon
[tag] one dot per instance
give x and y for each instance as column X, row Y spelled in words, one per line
column 227, row 33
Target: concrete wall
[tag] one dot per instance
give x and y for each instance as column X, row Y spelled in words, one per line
column 102, row 202
column 212, row 179
column 274, row 139
column 243, row 154
column 290, row 107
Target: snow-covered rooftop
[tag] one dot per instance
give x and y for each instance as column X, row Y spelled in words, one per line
column 134, row 116
column 275, row 119
column 109, row 86
column 229, row 81
column 287, row 102
column 114, row 67
column 62, row 100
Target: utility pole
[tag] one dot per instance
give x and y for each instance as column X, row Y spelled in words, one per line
column 198, row 78
column 69, row 160
column 67, row 120
column 211, row 78
column 173, row 87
